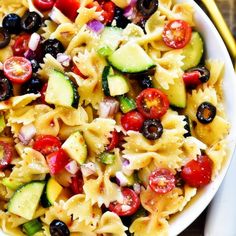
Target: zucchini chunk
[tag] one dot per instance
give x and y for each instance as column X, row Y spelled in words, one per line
column 61, row 90
column 106, row 72
column 76, row 147
column 117, row 84
column 131, row 58
column 26, row 199
column 193, row 51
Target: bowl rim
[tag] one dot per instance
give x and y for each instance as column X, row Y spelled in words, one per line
column 183, row 219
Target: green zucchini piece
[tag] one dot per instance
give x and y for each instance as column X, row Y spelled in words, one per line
column 76, row 147
column 176, row 93
column 26, row 199
column 107, row 158
column 131, row 58
column 193, row 51
column 61, row 90
column 32, row 227
column 11, row 183
column 106, row 72
column 118, row 85
column 51, row 193
column 110, row 40
column 127, row 104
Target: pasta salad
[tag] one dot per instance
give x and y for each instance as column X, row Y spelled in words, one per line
column 111, row 116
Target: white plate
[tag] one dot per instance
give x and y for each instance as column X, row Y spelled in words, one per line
column 215, row 49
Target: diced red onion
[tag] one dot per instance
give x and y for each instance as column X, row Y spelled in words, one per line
column 128, row 11
column 121, row 179
column 95, row 26
column 88, row 169
column 64, row 59
column 29, row 54
column 27, row 132
column 108, row 108
column 72, row 167
column 137, row 188
column 34, row 41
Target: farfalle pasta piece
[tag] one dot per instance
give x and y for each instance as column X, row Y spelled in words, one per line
column 101, row 190
column 48, row 28
column 111, row 224
column 50, row 64
column 5, row 53
column 64, row 33
column 83, row 210
column 80, row 228
column 165, row 151
column 33, row 166
column 168, row 69
column 97, row 133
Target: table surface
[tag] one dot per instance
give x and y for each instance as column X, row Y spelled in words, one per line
column 228, row 9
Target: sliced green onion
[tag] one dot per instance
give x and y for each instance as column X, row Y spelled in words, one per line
column 32, row 227
column 127, row 104
column 107, row 158
column 104, row 51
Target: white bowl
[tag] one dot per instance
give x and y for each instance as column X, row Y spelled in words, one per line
column 215, row 48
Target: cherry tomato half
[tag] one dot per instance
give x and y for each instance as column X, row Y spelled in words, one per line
column 108, row 11
column 132, row 120
column 17, row 69
column 197, row 173
column 162, row 181
column 76, row 70
column 77, row 183
column 21, row 45
column 7, row 154
column 44, row 5
column 114, row 141
column 47, row 144
column 177, row 34
column 69, row 8
column 57, row 161
column 129, row 206
column 191, row 79
column 152, row 103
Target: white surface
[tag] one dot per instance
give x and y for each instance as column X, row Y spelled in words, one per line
column 215, row 49
column 222, row 213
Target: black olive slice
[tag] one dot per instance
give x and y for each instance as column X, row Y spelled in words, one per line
column 53, row 47
column 6, row 89
column 5, row 37
column 31, row 22
column 147, row 7
column 204, row 73
column 58, row 228
column 206, row 113
column 187, row 127
column 146, row 82
column 34, row 85
column 12, row 22
column 152, row 129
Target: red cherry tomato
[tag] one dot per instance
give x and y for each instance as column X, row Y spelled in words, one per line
column 76, row 70
column 197, row 173
column 177, row 34
column 7, row 154
column 132, row 120
column 191, row 79
column 77, row 183
column 162, row 181
column 17, row 69
column 44, row 5
column 129, row 206
column 69, row 8
column 21, row 45
column 152, row 103
column 114, row 141
column 108, row 11
column 47, row 144
column 43, row 92
column 57, row 161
